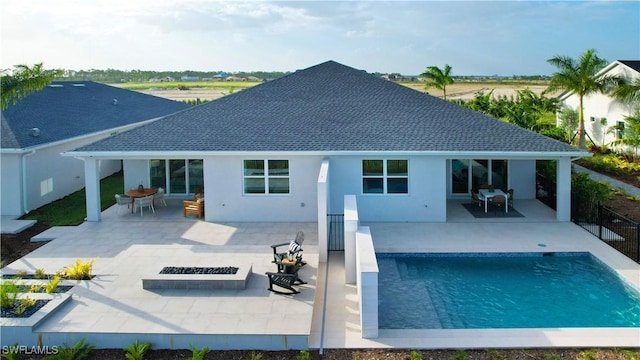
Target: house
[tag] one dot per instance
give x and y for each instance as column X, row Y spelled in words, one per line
column 604, row 115
column 61, row 117
column 290, row 149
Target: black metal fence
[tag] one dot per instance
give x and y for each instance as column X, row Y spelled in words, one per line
column 616, row 230
column 336, row 232
column 546, row 191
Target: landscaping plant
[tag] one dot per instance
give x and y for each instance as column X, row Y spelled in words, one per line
column 40, row 274
column 136, row 350
column 51, row 287
column 79, row 351
column 303, row 355
column 81, row 270
column 198, row 354
column 9, row 290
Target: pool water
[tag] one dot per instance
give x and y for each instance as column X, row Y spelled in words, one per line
column 473, row 291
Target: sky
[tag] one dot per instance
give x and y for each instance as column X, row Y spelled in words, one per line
column 473, row 37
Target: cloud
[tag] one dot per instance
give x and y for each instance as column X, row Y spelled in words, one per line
column 474, row 37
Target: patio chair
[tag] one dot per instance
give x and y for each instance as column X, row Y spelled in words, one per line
column 497, row 201
column 193, row 207
column 510, row 198
column 122, row 200
column 285, row 281
column 287, row 275
column 159, row 196
column 143, row 202
column 475, row 198
column 294, row 251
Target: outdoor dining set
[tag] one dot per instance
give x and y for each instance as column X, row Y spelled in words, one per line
column 488, row 195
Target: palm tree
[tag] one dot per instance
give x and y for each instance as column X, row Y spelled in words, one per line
column 438, row 78
column 581, row 78
column 628, row 92
column 23, row 81
column 630, row 133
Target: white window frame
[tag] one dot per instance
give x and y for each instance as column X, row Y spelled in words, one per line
column 266, row 177
column 385, row 177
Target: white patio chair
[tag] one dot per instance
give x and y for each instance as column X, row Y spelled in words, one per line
column 159, row 196
column 142, row 202
column 122, row 200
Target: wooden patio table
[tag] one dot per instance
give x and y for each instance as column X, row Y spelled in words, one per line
column 134, row 193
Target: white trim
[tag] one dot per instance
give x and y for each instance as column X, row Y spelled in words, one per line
column 132, row 155
column 115, row 130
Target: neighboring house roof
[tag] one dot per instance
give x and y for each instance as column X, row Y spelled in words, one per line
column 634, row 64
column 329, row 107
column 65, row 110
column 631, row 64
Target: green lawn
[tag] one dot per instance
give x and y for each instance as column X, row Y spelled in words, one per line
column 72, row 209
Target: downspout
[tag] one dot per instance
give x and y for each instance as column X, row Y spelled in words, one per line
column 24, row 180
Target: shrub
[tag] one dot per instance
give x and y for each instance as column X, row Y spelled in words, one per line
column 198, row 354
column 9, row 290
column 81, row 270
column 136, row 351
column 40, row 274
column 588, row 190
column 51, row 287
column 303, row 355
column 79, row 351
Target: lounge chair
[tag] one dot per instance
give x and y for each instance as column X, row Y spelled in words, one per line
column 294, row 251
column 285, row 281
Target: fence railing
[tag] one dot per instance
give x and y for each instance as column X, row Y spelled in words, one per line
column 616, row 230
column 335, row 232
column 546, row 191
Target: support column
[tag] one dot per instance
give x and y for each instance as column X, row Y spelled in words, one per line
column 351, row 225
column 323, row 206
column 92, row 188
column 563, row 189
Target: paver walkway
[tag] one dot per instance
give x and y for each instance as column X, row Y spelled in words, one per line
column 596, row 176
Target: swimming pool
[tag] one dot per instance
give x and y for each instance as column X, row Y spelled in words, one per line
column 515, row 290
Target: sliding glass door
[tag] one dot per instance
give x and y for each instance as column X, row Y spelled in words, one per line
column 471, row 173
column 176, row 175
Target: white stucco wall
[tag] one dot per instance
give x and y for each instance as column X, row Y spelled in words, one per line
column 50, row 176
column 10, row 178
column 599, row 106
column 225, row 200
column 522, row 178
column 426, row 200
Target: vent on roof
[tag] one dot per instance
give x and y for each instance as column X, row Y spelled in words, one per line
column 77, row 85
column 35, row 132
column 56, row 85
column 115, row 101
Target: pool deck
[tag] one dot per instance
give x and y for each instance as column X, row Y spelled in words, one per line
column 113, row 309
column 342, row 320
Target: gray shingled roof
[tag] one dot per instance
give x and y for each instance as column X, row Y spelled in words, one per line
column 329, row 107
column 65, row 110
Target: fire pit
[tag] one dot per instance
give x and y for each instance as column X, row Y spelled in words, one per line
column 196, row 277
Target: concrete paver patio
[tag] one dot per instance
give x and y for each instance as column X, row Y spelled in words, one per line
column 113, row 310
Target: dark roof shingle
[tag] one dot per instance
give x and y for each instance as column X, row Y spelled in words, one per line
column 65, row 110
column 324, row 108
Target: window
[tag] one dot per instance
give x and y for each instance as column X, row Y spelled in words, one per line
column 275, row 177
column 385, row 177
column 620, row 130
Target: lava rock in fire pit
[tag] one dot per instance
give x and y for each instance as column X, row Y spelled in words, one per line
column 220, row 270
